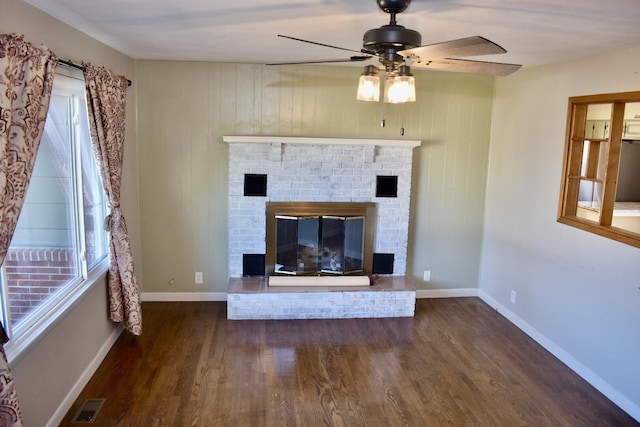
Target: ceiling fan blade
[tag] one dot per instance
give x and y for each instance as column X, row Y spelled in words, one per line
column 468, row 66
column 357, row 58
column 319, row 44
column 469, row 46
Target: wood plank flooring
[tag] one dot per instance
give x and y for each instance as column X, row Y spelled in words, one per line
column 457, row 363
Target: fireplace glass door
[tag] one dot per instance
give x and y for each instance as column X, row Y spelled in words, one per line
column 319, row 244
column 297, row 244
column 342, row 244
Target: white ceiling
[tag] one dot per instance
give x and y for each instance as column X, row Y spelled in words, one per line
column 534, row 32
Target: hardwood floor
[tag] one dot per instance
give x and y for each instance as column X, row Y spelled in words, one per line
column 458, row 362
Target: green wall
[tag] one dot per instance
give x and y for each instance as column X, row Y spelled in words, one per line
column 184, row 109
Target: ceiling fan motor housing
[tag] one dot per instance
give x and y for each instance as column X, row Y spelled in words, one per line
column 387, row 40
column 392, row 36
column 388, row 36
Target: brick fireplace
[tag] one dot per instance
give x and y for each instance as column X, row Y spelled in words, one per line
column 298, row 169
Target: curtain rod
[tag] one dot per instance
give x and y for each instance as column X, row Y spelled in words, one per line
column 80, row 67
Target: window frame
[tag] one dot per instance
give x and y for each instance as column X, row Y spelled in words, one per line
column 58, row 305
column 572, row 164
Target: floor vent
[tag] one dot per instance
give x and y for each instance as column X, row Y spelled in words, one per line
column 88, row 411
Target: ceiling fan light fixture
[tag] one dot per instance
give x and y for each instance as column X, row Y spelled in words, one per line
column 394, row 44
column 369, row 85
column 401, row 87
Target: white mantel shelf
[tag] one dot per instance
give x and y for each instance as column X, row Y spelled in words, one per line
column 274, row 139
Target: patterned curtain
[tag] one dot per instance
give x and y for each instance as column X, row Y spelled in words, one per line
column 26, row 80
column 106, row 95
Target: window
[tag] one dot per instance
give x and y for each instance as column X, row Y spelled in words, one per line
column 601, row 181
column 59, row 241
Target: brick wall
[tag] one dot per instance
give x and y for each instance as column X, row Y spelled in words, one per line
column 32, row 275
column 321, row 305
column 318, row 172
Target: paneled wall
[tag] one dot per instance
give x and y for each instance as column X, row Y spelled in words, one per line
column 186, row 107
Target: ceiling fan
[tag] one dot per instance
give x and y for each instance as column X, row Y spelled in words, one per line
column 394, row 45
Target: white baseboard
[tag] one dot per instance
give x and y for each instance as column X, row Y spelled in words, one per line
column 77, row 388
column 447, row 293
column 183, row 296
column 601, row 385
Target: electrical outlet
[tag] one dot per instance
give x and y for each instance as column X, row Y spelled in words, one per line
column 513, row 297
column 427, row 275
column 199, row 278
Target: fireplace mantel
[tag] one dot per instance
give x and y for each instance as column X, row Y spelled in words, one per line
column 231, row 139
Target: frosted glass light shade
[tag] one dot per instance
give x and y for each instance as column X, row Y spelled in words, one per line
column 368, row 88
column 399, row 89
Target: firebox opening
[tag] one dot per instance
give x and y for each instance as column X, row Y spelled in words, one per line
column 319, row 244
column 318, row 238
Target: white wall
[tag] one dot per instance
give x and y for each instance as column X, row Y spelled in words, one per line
column 577, row 292
column 51, row 371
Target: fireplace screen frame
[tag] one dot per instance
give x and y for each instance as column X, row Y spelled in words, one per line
column 320, row 209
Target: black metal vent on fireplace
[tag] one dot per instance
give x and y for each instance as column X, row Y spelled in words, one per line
column 383, row 263
column 255, row 185
column 386, row 186
column 252, row 265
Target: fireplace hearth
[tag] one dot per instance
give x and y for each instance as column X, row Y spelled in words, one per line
column 252, row 298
